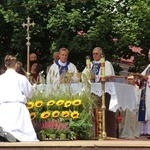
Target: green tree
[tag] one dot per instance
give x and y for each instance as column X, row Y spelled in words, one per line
column 79, row 25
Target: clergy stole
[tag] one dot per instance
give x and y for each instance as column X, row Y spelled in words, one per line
column 142, row 106
column 62, row 68
column 95, row 69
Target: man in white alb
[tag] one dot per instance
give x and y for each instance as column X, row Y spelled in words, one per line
column 59, row 67
column 95, row 72
column 15, row 121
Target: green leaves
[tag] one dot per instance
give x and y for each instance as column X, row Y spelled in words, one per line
column 58, row 23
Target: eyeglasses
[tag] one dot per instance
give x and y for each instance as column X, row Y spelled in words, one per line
column 95, row 53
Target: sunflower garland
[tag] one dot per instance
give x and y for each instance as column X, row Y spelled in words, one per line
column 54, row 109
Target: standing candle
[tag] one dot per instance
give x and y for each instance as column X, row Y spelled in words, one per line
column 102, row 68
column 88, row 62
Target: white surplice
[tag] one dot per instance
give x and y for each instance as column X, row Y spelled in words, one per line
column 15, row 89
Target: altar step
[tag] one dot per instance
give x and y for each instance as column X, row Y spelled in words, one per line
column 111, row 144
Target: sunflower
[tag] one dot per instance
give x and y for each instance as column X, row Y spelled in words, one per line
column 45, row 114
column 50, row 103
column 55, row 114
column 67, row 104
column 76, row 102
column 75, row 115
column 39, row 103
column 60, row 102
column 65, row 114
column 33, row 115
column 30, row 105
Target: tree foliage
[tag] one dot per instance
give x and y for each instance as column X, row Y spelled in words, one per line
column 79, row 25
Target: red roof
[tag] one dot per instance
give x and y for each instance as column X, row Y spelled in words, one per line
column 134, row 49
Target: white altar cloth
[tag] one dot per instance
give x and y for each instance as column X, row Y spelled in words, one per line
column 122, row 95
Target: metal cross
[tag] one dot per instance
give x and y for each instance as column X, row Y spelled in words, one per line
column 28, row 24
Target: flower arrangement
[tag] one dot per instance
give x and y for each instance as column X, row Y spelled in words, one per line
column 63, row 113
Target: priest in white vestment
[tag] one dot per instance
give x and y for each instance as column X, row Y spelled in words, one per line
column 144, row 109
column 60, row 67
column 93, row 72
column 95, row 68
column 15, row 89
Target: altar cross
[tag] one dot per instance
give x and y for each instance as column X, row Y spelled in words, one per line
column 28, row 24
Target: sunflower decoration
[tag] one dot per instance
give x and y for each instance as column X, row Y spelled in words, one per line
column 76, row 102
column 75, row 115
column 39, row 103
column 77, row 105
column 55, row 114
column 59, row 105
column 50, row 109
column 30, row 105
column 60, row 102
column 45, row 115
column 33, row 115
column 50, row 103
column 65, row 114
column 67, row 104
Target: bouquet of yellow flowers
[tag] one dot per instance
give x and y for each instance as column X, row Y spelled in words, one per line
column 63, row 113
